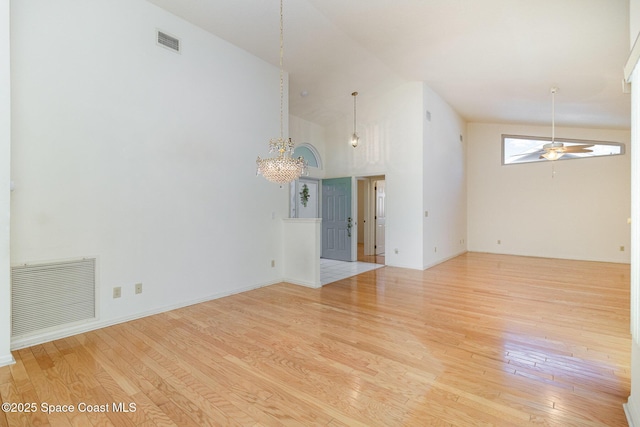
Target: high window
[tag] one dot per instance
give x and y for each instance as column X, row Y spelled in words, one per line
column 527, row 149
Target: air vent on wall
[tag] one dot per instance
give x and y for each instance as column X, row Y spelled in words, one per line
column 170, row 42
column 51, row 295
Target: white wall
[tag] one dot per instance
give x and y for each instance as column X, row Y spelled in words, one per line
column 634, row 20
column 390, row 130
column 301, row 251
column 632, row 408
column 580, row 213
column 303, row 131
column 423, row 164
column 139, row 156
column 5, row 199
column 445, row 185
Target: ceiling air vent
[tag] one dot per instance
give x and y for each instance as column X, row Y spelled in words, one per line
column 170, row 42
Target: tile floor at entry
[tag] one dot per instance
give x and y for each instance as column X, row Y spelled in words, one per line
column 332, row 270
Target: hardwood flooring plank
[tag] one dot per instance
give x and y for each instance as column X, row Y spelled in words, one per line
column 481, row 339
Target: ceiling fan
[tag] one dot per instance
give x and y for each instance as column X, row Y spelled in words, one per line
column 554, row 150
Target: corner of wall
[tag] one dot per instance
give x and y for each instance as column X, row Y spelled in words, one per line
column 5, row 178
column 632, row 407
column 634, row 20
column 631, row 412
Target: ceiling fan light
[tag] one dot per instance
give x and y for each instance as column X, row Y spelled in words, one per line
column 553, row 154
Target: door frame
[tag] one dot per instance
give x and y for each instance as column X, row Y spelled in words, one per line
column 370, row 212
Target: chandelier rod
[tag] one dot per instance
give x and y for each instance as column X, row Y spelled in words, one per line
column 281, row 72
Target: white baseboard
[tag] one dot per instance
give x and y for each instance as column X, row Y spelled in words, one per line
column 440, row 261
column 7, row 360
column 304, row 283
column 632, row 414
column 35, row 339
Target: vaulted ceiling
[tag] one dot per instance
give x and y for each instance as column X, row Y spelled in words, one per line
column 491, row 60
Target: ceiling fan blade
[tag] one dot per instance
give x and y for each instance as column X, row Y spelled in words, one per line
column 524, row 157
column 578, row 149
column 528, row 152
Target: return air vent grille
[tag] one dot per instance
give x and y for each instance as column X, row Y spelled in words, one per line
column 48, row 295
column 168, row 41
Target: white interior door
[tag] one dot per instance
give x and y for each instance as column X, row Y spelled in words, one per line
column 380, row 216
column 338, row 231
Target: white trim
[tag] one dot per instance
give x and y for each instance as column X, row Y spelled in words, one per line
column 303, row 283
column 7, row 360
column 632, row 61
column 41, row 338
column 631, row 74
column 440, row 261
column 635, row 208
column 631, row 412
column 354, row 218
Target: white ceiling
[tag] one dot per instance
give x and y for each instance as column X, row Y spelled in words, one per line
column 491, row 60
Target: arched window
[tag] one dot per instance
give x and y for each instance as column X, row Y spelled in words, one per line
column 309, row 153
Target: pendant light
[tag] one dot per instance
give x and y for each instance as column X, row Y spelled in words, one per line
column 354, row 138
column 283, row 168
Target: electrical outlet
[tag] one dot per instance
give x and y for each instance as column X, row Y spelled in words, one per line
column 273, row 263
column 138, row 288
column 499, row 242
column 621, row 248
column 117, row 292
column 396, row 250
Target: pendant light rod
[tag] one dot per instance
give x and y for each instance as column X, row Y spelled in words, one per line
column 354, row 94
column 354, row 138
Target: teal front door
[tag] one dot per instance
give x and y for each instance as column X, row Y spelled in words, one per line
column 338, row 226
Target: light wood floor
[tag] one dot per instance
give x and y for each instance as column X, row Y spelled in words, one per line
column 374, row 259
column 479, row 340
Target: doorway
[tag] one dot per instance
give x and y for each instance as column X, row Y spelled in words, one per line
column 371, row 219
column 354, row 218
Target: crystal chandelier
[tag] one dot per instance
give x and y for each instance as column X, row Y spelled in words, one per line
column 283, row 168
